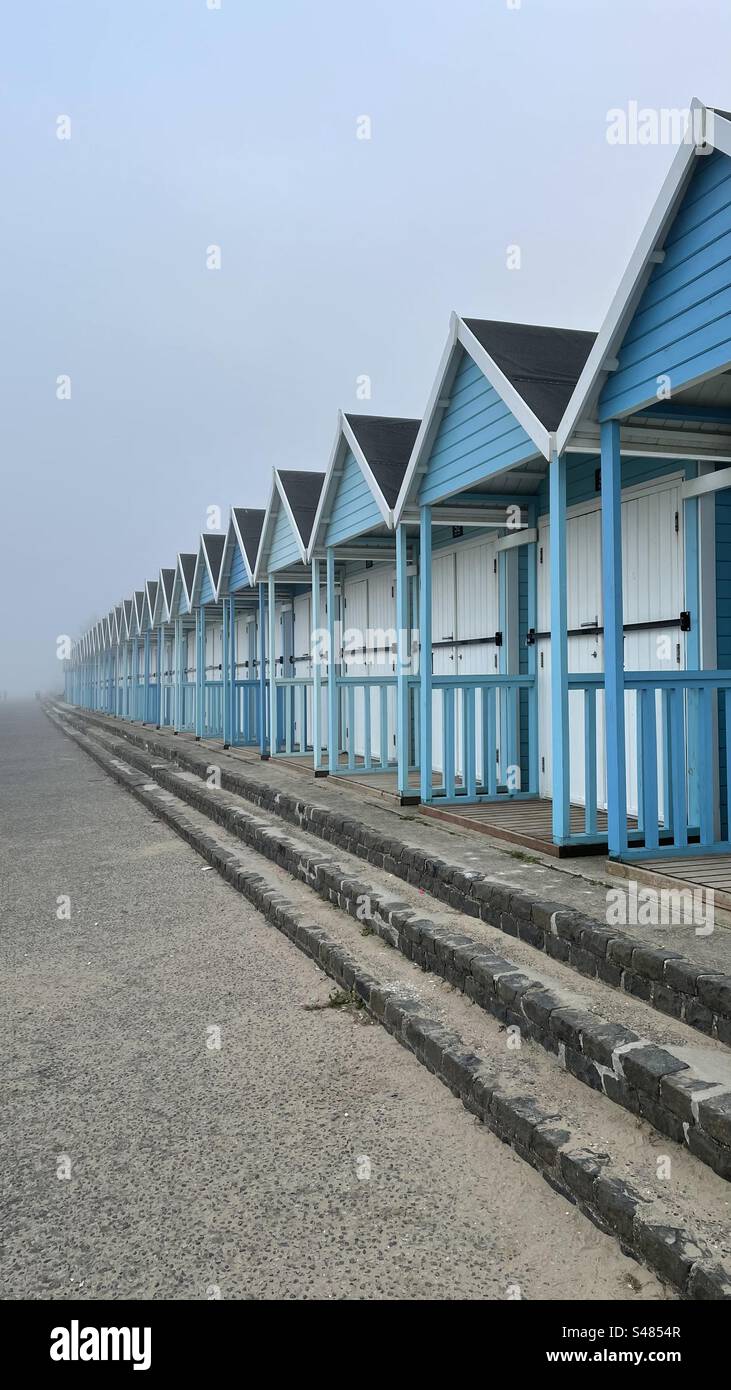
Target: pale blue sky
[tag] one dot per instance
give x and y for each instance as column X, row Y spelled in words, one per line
column 340, row 256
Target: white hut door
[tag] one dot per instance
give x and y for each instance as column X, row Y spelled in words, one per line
column 302, row 670
column 444, row 626
column 477, row 618
column 381, row 655
column 355, row 624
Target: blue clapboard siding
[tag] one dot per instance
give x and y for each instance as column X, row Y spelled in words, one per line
column 477, row 436
column 283, row 547
column 723, row 628
column 682, row 325
column 581, row 477
column 353, row 510
column 238, row 576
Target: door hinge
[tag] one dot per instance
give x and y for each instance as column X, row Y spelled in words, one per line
column 597, row 479
column 540, row 555
column 677, row 653
column 677, row 523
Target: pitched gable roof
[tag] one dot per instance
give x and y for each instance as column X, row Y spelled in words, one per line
column 543, row 364
column 602, row 358
column 186, row 565
column 302, row 491
column 381, row 446
column 532, row 379
column 295, row 494
column 151, row 591
column 139, row 608
column 165, row 589
column 208, row 564
column 249, row 524
column 387, row 442
column 213, row 545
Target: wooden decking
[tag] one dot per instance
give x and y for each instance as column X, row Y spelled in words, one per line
column 524, row 822
column 694, row 871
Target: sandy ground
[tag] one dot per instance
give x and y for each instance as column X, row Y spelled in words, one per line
column 306, row 1156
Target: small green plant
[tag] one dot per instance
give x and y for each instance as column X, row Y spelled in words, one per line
column 338, row 999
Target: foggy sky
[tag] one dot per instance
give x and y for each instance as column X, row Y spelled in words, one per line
column 340, row 257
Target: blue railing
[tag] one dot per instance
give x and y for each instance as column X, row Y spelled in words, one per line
column 212, row 709
column 167, row 702
column 367, row 710
column 246, row 697
column 677, row 751
column 294, row 701
column 484, row 738
column 675, row 729
column 187, row 711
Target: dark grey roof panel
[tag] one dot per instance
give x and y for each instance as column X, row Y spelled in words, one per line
column 387, row 443
column 187, row 564
column 214, row 545
column 303, row 494
column 543, row 364
column 250, row 521
column 168, row 580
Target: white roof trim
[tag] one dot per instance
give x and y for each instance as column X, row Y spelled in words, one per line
column 636, row 275
column 345, row 436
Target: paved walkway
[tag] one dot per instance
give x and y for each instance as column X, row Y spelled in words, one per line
column 306, row 1156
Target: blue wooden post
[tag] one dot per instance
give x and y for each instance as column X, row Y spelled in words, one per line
column 146, row 691
column 613, row 635
column 160, row 664
column 403, row 662
column 560, row 769
column 693, row 650
column 332, row 663
column 425, row 653
column 178, row 663
column 272, row 616
column 532, row 560
column 262, row 636
column 316, row 659
column 200, row 662
column 226, row 691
